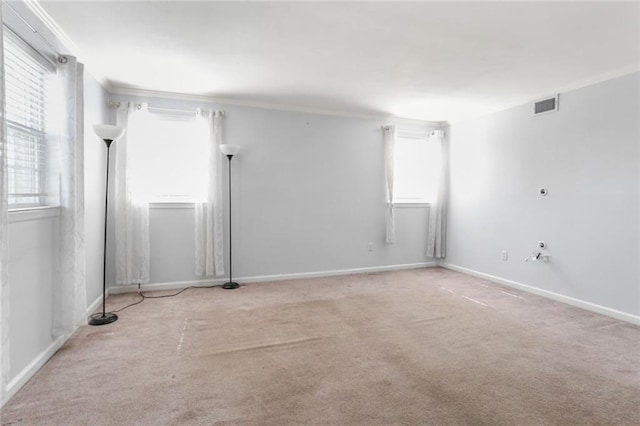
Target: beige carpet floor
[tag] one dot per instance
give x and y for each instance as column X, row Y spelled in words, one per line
column 415, row 347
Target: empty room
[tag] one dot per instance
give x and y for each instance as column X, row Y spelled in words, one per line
column 320, row 213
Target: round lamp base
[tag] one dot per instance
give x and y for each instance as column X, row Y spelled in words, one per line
column 102, row 318
column 230, row 285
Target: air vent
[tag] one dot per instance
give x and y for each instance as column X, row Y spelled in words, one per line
column 546, row 105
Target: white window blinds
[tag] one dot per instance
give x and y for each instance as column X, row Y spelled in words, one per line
column 417, row 163
column 26, row 105
column 165, row 155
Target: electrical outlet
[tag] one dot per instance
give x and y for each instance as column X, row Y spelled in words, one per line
column 370, row 246
column 505, row 255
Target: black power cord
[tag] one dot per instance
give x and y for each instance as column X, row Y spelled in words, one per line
column 143, row 297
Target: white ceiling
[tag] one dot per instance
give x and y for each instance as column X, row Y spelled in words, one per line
column 427, row 61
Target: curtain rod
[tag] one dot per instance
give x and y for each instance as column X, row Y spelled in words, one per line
column 139, row 106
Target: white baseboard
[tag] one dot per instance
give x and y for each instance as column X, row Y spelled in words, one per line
column 96, row 304
column 623, row 316
column 264, row 278
column 176, row 285
column 27, row 373
column 337, row 272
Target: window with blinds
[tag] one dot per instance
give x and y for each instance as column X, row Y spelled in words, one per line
column 174, row 175
column 416, row 170
column 26, row 76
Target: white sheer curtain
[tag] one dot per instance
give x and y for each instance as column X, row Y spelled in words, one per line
column 4, row 236
column 131, row 212
column 69, row 295
column 208, row 212
column 389, row 142
column 436, row 237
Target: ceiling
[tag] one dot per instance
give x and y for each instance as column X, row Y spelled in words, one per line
column 434, row 61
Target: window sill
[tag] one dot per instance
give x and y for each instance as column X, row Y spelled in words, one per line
column 33, row 213
column 157, row 205
column 404, row 205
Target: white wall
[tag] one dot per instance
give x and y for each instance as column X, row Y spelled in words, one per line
column 33, row 242
column 307, row 197
column 33, row 254
column 588, row 156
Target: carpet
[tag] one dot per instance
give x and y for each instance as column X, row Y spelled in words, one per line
column 413, row 347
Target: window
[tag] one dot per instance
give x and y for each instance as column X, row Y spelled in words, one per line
column 26, row 81
column 166, row 154
column 416, row 168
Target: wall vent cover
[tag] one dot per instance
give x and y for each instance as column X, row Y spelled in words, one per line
column 546, row 105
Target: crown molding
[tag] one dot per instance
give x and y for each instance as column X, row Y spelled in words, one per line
column 143, row 93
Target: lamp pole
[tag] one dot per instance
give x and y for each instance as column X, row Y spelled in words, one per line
column 230, row 151
column 108, row 134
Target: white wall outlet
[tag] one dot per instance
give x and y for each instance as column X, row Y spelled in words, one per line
column 370, row 246
column 505, row 255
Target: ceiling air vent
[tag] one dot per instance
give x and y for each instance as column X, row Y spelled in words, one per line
column 546, row 105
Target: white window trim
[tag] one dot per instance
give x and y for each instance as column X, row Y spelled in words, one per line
column 32, row 213
column 22, row 209
column 410, row 204
column 420, row 134
column 167, row 205
column 166, row 200
column 33, row 52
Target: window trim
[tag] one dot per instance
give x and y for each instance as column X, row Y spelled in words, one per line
column 30, row 50
column 406, row 204
column 49, row 68
column 172, row 200
column 415, row 134
column 170, row 205
column 24, row 214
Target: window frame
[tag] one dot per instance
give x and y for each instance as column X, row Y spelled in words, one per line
column 43, row 66
column 171, row 200
column 401, row 134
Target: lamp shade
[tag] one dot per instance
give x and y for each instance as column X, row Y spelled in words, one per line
column 108, row 132
column 228, row 149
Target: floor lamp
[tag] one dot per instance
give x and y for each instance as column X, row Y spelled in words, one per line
column 108, row 134
column 230, row 151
